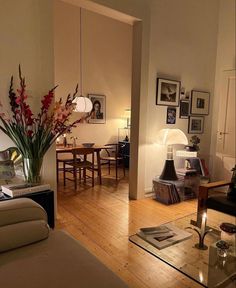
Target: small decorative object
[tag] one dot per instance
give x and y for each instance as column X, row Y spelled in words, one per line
column 195, row 140
column 34, row 135
column 171, row 115
column 200, row 102
column 222, row 248
column 64, row 140
column 184, row 109
column 201, row 233
column 195, row 125
column 88, row 145
column 126, row 138
column 98, row 112
column 182, row 93
column 231, row 195
column 168, row 92
column 74, row 140
column 228, row 233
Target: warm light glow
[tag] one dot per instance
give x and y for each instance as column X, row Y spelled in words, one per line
column 201, row 278
column 204, row 215
column 171, row 136
column 83, row 104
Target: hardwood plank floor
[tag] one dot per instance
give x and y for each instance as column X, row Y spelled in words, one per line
column 102, row 218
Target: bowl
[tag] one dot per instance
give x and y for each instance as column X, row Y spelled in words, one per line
column 88, row 145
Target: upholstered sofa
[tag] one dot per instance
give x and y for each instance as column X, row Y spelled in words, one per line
column 33, row 256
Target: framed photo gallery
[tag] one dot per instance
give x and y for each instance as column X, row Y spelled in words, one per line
column 169, row 93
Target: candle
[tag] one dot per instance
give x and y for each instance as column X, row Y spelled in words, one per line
column 203, row 225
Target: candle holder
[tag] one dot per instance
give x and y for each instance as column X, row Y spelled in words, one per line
column 200, row 245
column 201, row 233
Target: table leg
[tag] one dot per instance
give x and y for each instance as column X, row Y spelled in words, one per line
column 99, row 167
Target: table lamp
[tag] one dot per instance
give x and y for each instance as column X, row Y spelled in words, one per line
column 169, row 137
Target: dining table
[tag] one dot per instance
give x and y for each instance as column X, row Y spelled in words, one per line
column 96, row 148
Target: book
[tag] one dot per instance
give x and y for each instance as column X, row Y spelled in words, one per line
column 164, row 237
column 14, row 190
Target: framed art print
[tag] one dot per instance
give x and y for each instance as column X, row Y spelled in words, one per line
column 200, row 102
column 98, row 112
column 184, row 109
column 167, row 92
column 195, row 125
column 171, row 115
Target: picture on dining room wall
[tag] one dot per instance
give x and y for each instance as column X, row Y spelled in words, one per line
column 167, row 92
column 98, row 112
column 184, row 109
column 196, row 125
column 200, row 102
column 171, row 115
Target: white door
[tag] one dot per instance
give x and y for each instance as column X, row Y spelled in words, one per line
column 226, row 151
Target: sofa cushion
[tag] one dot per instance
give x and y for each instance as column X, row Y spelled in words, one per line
column 20, row 210
column 21, row 234
column 57, row 262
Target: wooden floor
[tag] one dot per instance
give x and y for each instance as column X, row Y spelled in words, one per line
column 102, row 218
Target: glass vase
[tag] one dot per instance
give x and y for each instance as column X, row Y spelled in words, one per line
column 32, row 170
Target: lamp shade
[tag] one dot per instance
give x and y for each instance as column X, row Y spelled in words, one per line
column 83, row 104
column 171, row 136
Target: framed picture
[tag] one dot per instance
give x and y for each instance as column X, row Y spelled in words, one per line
column 195, row 125
column 184, row 109
column 98, row 113
column 171, row 115
column 200, row 102
column 167, row 92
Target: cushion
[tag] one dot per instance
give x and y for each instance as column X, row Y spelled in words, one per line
column 21, row 234
column 57, row 262
column 222, row 204
column 20, row 210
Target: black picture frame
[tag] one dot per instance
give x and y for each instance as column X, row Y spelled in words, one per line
column 200, row 102
column 184, row 107
column 196, row 124
column 167, row 92
column 171, row 115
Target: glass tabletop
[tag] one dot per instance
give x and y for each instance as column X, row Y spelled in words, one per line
column 203, row 266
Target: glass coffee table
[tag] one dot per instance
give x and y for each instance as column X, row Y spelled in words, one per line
column 203, row 266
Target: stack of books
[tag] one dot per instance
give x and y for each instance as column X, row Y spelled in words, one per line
column 165, row 192
column 163, row 236
column 16, row 190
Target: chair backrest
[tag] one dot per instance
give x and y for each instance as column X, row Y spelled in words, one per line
column 83, row 152
column 114, row 148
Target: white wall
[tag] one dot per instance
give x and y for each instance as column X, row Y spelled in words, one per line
column 182, row 47
column 225, row 61
column 26, row 38
column 106, row 59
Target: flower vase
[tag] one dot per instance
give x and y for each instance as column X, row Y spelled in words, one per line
column 32, row 170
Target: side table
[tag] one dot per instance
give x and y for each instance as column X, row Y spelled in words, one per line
column 43, row 198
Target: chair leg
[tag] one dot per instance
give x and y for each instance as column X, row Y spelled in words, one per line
column 124, row 166
column 84, row 175
column 75, row 177
column 116, row 169
column 92, row 176
column 64, row 173
column 109, row 167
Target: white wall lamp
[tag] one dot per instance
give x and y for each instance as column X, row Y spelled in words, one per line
column 83, row 103
column 169, row 137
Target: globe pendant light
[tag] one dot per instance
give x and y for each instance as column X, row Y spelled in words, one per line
column 83, row 103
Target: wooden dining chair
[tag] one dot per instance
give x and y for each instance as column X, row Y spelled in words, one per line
column 80, row 166
column 114, row 155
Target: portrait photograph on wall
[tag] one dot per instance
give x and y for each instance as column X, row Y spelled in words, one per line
column 171, row 115
column 184, row 109
column 167, row 92
column 98, row 112
column 200, row 102
column 195, row 125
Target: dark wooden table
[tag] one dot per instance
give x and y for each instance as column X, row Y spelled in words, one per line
column 97, row 149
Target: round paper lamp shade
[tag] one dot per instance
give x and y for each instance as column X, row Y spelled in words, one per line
column 83, row 104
